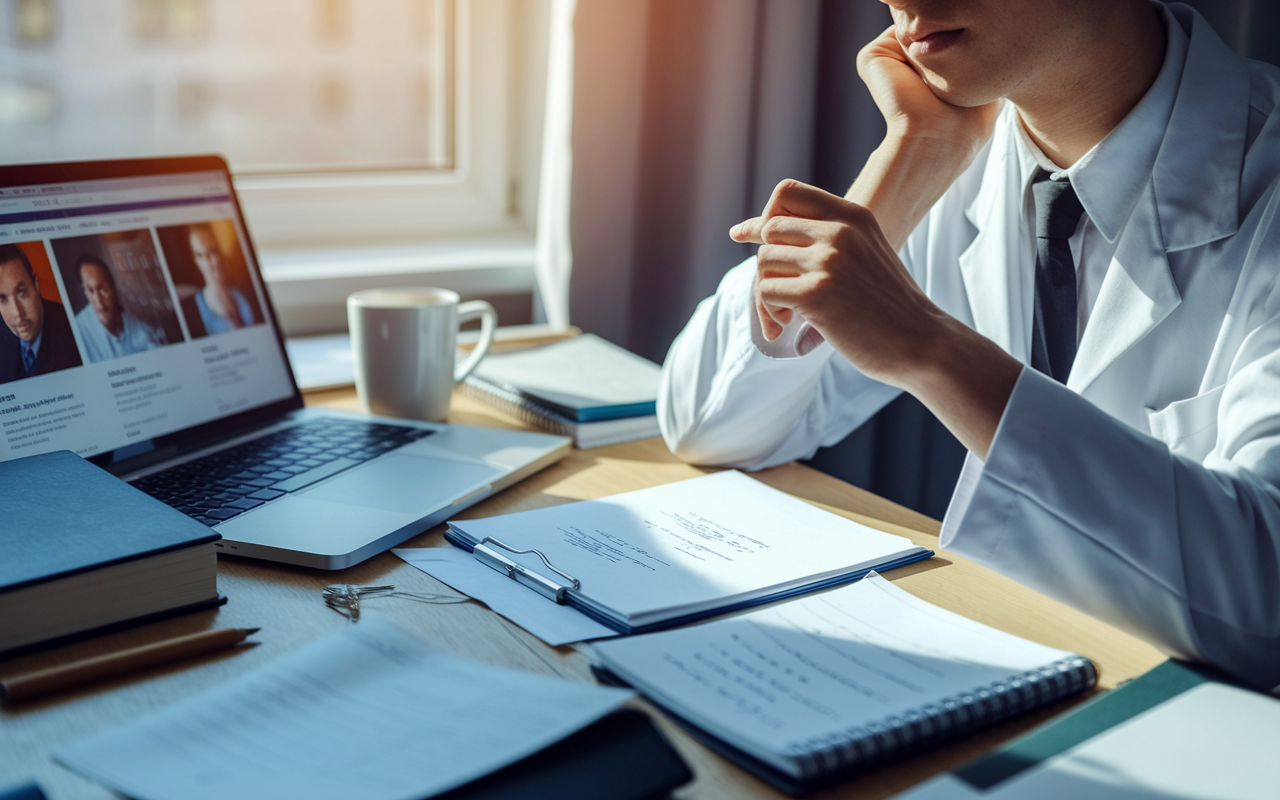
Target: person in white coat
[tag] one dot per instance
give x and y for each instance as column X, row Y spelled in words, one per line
column 1143, row 484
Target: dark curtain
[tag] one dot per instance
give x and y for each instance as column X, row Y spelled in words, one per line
column 685, row 116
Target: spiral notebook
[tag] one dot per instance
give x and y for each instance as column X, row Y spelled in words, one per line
column 810, row 691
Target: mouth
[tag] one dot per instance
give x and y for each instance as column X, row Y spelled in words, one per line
column 932, row 43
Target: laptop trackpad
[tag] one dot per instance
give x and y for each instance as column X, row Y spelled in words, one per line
column 406, row 483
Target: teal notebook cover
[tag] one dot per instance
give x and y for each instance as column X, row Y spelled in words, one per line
column 1104, row 712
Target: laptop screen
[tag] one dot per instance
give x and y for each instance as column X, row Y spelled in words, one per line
column 132, row 310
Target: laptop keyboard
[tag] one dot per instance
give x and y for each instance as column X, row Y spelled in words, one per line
column 230, row 482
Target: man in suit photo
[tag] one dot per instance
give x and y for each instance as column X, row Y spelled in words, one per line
column 37, row 337
column 1067, row 247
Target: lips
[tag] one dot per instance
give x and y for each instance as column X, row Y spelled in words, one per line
column 932, row 43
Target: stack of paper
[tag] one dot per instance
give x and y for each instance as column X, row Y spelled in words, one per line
column 370, row 713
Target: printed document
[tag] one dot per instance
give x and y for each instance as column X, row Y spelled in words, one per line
column 371, row 713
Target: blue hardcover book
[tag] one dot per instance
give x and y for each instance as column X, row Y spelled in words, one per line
column 83, row 552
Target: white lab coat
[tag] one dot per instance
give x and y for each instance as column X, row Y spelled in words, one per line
column 1147, row 490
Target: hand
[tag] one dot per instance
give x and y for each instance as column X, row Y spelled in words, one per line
column 910, row 107
column 826, row 258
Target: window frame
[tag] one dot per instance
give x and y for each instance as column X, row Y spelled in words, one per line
column 480, row 195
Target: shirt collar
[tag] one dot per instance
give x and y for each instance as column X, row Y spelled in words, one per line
column 1110, row 178
column 34, row 346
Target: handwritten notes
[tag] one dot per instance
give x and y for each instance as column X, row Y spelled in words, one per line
column 689, row 546
column 786, row 679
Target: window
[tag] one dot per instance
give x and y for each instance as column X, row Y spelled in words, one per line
column 349, row 124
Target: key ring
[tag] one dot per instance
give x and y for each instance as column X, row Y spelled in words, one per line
column 345, row 597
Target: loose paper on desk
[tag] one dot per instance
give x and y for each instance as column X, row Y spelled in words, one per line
column 1214, row 742
column 369, row 713
column 704, row 545
column 553, row 624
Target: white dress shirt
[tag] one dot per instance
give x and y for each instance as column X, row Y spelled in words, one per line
column 1145, row 491
column 102, row 345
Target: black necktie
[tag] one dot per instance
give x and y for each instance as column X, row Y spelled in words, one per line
column 1053, row 336
column 28, row 358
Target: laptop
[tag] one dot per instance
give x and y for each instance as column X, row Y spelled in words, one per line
column 138, row 333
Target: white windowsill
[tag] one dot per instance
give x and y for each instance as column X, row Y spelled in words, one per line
column 309, row 287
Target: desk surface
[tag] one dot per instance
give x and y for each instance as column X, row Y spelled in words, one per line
column 286, row 603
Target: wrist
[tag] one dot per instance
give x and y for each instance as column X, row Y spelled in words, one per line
column 947, row 153
column 904, row 177
column 964, row 378
column 939, row 341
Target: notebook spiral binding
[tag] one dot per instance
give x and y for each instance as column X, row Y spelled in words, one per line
column 860, row 748
column 509, row 401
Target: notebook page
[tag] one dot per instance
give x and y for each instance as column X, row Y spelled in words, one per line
column 584, row 371
column 690, row 543
column 775, row 681
column 370, row 713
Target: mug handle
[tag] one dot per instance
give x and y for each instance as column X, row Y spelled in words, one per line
column 488, row 321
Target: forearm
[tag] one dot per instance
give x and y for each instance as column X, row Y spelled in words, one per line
column 963, row 378
column 904, row 177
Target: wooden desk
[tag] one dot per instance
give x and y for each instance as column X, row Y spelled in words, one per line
column 286, row 602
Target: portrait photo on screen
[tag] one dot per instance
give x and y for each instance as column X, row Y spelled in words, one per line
column 210, row 277
column 36, row 335
column 118, row 293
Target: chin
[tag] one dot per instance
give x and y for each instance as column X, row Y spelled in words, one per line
column 959, row 93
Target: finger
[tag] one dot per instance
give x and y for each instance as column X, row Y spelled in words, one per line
column 787, row 292
column 781, row 315
column 791, row 198
column 795, row 231
column 748, row 231
column 768, row 325
column 891, row 44
column 782, row 261
column 772, row 318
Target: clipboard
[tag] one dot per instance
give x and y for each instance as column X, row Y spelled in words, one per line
column 562, row 588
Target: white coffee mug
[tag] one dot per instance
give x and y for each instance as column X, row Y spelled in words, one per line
column 404, row 339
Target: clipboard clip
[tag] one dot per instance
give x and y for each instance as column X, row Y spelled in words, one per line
column 543, row 585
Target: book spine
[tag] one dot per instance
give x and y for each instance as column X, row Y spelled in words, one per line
column 517, row 405
column 859, row 748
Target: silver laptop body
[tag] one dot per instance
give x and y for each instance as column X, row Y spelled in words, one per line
column 179, row 382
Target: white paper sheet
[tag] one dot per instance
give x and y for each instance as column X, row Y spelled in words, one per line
column 692, row 545
column 370, row 713
column 1213, row 742
column 782, row 679
column 552, row 623
column 322, row 362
